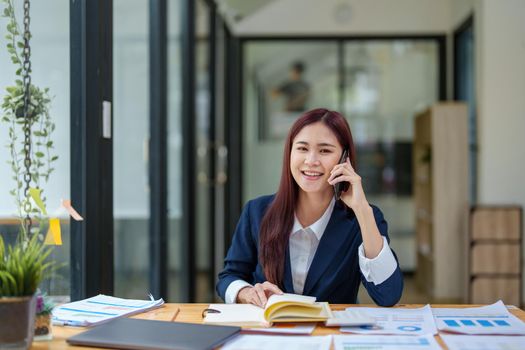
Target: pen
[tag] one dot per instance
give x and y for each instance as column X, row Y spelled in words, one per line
column 175, row 315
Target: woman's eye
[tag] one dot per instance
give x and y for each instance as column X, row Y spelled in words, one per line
column 326, row 151
column 301, row 149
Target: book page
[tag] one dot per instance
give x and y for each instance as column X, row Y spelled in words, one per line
column 290, row 298
column 236, row 314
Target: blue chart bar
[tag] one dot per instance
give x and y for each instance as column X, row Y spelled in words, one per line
column 485, row 323
column 451, row 323
column 467, row 323
column 501, row 323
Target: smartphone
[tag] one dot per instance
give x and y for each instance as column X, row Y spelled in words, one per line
column 342, row 186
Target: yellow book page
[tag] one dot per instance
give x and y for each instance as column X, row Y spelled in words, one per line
column 277, row 301
column 296, row 308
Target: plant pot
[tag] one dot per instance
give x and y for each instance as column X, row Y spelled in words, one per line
column 43, row 327
column 18, row 322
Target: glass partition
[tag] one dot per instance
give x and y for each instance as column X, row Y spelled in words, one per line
column 130, row 147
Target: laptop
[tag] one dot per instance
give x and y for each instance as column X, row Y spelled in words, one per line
column 129, row 333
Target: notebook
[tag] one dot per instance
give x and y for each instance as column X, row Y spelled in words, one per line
column 127, row 333
column 279, row 308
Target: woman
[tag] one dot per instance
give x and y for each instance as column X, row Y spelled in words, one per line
column 301, row 240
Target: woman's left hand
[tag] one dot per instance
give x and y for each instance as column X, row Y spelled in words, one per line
column 354, row 197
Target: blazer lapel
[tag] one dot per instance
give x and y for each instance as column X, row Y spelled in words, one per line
column 335, row 233
column 287, row 278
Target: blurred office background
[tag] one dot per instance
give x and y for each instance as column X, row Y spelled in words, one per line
column 197, row 128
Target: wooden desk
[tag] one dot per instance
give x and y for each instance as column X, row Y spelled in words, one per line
column 192, row 313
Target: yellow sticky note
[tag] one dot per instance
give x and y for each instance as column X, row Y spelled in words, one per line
column 54, row 235
column 35, row 194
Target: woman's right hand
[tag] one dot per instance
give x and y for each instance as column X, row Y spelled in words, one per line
column 258, row 294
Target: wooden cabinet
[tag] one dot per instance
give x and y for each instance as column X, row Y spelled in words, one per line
column 440, row 180
column 495, row 254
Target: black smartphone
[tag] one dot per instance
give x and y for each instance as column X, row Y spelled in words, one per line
column 343, row 185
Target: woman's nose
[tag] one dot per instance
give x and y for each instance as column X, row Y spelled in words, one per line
column 311, row 158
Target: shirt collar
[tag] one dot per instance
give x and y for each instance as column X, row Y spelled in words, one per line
column 319, row 226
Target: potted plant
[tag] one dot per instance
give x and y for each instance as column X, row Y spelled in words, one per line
column 22, row 267
column 25, row 113
column 44, row 308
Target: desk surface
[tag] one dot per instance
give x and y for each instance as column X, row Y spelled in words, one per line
column 192, row 313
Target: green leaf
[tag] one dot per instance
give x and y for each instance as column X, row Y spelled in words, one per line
column 39, row 154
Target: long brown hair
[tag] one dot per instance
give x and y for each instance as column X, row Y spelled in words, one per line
column 278, row 220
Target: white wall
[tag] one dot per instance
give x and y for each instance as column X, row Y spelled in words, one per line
column 499, row 35
column 333, row 17
column 501, row 101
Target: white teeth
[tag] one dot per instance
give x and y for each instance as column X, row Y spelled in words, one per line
column 308, row 173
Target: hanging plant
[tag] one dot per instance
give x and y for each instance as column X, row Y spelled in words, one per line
column 29, row 124
column 25, row 112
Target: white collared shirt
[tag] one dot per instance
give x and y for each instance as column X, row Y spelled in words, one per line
column 303, row 245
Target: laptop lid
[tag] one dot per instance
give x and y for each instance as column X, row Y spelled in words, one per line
column 128, row 333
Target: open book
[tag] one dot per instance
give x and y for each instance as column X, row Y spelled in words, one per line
column 279, row 308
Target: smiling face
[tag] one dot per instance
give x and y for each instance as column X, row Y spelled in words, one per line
column 315, row 151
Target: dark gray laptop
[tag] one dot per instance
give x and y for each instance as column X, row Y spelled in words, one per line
column 128, row 333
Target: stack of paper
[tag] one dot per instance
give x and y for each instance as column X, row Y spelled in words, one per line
column 418, row 321
column 99, row 309
column 385, row 342
column 475, row 342
column 490, row 319
column 250, row 342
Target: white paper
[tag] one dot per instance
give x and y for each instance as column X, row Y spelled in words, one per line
column 490, row 319
column 352, row 318
column 386, row 342
column 285, row 328
column 417, row 321
column 483, row 342
column 100, row 309
column 250, row 342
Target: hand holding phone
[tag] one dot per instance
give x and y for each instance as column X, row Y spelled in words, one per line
column 342, row 186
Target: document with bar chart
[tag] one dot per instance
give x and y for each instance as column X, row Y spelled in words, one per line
column 490, row 319
column 416, row 321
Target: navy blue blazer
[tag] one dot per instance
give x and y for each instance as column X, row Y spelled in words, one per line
column 334, row 274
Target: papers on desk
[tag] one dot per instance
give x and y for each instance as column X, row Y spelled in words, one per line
column 386, row 342
column 285, row 328
column 417, row 321
column 351, row 317
column 482, row 342
column 99, row 309
column 490, row 319
column 250, row 342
